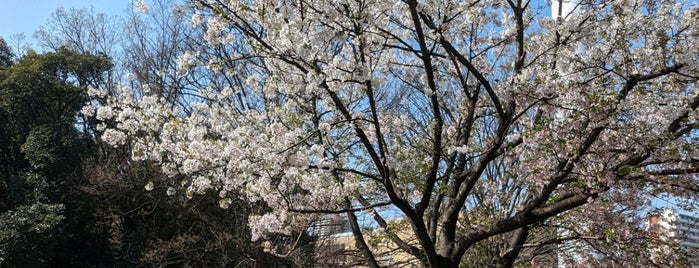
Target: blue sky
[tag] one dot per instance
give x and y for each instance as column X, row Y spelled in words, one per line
column 25, row 16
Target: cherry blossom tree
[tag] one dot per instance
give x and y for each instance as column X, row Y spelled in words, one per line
column 475, row 121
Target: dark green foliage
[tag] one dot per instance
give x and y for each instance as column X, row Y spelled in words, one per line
column 5, row 54
column 42, row 212
column 20, row 229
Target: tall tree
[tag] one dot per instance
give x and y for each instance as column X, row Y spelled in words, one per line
column 81, row 30
column 5, row 54
column 152, row 45
column 473, row 121
column 44, row 222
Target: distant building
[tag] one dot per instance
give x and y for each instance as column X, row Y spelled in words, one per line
column 682, row 228
column 330, row 225
column 335, row 244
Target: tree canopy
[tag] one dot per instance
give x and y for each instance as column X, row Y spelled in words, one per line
column 476, row 122
column 41, row 154
column 443, row 133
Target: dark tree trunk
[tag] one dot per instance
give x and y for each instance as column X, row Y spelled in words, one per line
column 515, row 247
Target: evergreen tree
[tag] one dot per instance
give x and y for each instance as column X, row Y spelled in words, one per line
column 5, row 54
column 45, row 222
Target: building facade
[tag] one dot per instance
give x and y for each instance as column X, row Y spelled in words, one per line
column 677, row 228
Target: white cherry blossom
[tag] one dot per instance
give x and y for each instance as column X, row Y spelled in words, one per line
column 474, row 121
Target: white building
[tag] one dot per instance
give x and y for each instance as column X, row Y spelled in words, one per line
column 674, row 227
column 681, row 227
column 330, row 225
